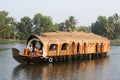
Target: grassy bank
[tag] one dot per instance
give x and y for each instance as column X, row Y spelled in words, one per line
column 11, row 40
column 115, row 42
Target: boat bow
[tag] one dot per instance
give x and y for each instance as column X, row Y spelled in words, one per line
column 16, row 56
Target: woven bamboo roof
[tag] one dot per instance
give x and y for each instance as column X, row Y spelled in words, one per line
column 59, row 37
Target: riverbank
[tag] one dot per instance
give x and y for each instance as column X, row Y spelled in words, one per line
column 115, row 42
column 11, row 40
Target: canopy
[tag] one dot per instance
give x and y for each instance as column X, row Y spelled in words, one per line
column 68, row 37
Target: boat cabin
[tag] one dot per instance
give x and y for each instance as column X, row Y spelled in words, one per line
column 66, row 43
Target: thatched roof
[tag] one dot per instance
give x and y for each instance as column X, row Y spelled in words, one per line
column 66, row 37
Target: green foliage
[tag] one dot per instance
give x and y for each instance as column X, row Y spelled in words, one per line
column 25, row 27
column 83, row 28
column 43, row 24
column 99, row 26
column 109, row 28
column 6, row 25
column 61, row 26
column 11, row 29
column 115, row 42
column 68, row 25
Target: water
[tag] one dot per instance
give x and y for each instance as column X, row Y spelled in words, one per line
column 100, row 69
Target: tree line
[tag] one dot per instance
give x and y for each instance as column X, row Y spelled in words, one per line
column 107, row 27
column 12, row 29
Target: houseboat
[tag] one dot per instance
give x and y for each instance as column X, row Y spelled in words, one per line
column 62, row 46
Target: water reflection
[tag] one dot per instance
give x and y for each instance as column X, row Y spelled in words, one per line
column 82, row 70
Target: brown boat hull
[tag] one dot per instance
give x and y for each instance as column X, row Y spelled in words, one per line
column 26, row 59
column 30, row 59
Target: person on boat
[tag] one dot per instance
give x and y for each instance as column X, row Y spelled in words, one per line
column 34, row 48
column 54, row 47
column 38, row 51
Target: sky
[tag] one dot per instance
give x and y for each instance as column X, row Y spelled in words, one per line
column 85, row 11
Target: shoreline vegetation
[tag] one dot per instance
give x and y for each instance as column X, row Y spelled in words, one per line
column 10, row 28
column 12, row 40
column 112, row 42
column 115, row 42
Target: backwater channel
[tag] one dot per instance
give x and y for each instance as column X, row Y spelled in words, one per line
column 107, row 68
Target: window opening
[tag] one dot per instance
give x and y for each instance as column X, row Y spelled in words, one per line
column 53, row 47
column 64, row 46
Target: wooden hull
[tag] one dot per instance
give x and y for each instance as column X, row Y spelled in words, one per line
column 31, row 59
column 26, row 59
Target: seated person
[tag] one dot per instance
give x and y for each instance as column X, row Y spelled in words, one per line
column 37, row 50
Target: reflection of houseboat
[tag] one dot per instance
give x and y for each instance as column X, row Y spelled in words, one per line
column 45, row 71
column 62, row 46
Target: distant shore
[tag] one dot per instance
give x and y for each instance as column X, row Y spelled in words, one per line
column 12, row 40
column 115, row 42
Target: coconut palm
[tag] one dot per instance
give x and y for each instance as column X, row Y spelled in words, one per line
column 71, row 23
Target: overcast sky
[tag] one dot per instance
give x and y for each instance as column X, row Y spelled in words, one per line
column 85, row 11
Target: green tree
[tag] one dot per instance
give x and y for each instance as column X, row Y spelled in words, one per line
column 71, row 23
column 109, row 28
column 10, row 28
column 83, row 28
column 68, row 25
column 117, row 25
column 6, row 25
column 43, row 24
column 99, row 26
column 47, row 24
column 25, row 27
column 61, row 26
column 3, row 25
column 116, row 18
column 37, row 20
column 15, row 30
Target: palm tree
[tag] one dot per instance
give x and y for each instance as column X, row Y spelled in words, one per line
column 117, row 18
column 71, row 23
